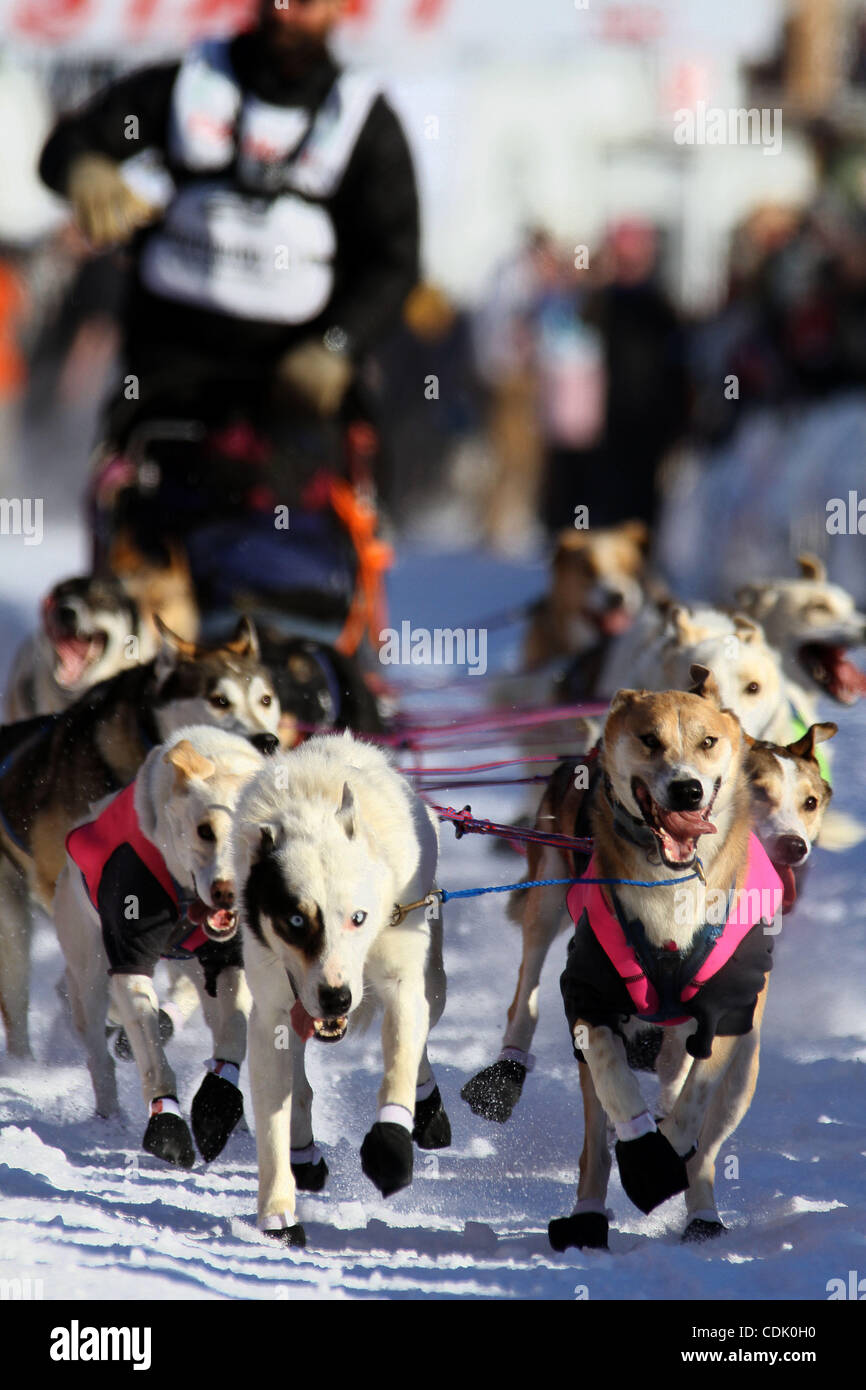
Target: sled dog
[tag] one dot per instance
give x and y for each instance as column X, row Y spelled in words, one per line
column 90, row 629
column 55, row 767
column 150, row 876
column 335, row 856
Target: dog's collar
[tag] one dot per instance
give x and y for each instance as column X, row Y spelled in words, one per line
column 630, row 827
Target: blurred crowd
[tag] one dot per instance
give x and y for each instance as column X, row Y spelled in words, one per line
column 570, row 383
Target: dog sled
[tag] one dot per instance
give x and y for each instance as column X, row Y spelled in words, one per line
column 284, row 530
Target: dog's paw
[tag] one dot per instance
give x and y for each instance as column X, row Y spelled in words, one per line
column 386, row 1157
column 289, row 1235
column 310, row 1177
column 586, row 1230
column 432, row 1127
column 216, row 1109
column 650, row 1170
column 168, row 1137
column 495, row 1091
column 698, row 1230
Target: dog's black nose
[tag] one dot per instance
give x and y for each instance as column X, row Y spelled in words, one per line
column 335, row 1002
column 67, row 618
column 613, row 600
column 222, row 892
column 685, row 796
column 266, row 743
column 790, row 849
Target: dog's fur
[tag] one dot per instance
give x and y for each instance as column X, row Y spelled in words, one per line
column 597, row 588
column 703, row 1099
column 55, row 768
column 90, row 629
column 325, row 832
column 789, row 800
column 811, row 623
column 161, row 584
column 190, row 782
column 665, row 643
column 317, row 686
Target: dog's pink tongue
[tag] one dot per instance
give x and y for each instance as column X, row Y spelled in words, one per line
column 615, row 622
column 302, row 1022
column 848, row 677
column 686, row 825
column 789, row 885
column 222, row 920
column 72, row 654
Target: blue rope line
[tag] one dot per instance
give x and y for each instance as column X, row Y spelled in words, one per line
column 551, row 882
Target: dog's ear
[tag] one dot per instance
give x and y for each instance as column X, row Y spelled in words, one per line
column 346, row 812
column 570, row 538
column 812, row 568
column 245, row 641
column 188, row 763
column 746, row 628
column 623, row 698
column 635, row 531
column 817, row 733
column 705, row 684
column 171, row 647
column 680, row 625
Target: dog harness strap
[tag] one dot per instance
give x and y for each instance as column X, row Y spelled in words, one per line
column 92, row 845
column 760, row 896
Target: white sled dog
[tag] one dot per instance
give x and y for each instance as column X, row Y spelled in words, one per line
column 329, row 840
column 148, row 877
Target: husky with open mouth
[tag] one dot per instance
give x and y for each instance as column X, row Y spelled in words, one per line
column 813, row 624
column 150, row 877
column 335, row 857
column 90, row 630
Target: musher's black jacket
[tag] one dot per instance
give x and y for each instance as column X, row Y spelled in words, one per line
column 375, row 214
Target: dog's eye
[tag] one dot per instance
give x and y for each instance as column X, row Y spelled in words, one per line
column 752, row 688
column 709, row 742
column 810, row 804
column 205, row 832
column 650, row 741
column 358, row 919
column 267, row 700
column 220, row 701
column 296, row 920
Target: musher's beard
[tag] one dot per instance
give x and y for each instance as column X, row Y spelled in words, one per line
column 292, row 51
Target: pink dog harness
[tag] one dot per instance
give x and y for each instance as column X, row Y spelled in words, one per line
column 759, row 898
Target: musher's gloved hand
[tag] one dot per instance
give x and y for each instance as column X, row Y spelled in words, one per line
column 317, row 374
column 105, row 207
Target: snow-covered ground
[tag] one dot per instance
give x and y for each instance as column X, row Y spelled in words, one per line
column 86, row 1212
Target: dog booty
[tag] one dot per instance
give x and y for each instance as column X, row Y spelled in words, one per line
column 495, row 1091
column 167, row 1137
column 216, row 1109
column 386, row 1157
column 698, row 1230
column 586, row 1230
column 650, row 1170
column 289, row 1235
column 432, row 1129
column 309, row 1169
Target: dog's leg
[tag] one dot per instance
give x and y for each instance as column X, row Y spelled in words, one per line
column 432, row 1128
column 495, row 1091
column 167, row 1135
column 672, row 1068
column 587, row 1227
column 727, row 1107
column 87, row 981
column 15, row 958
column 183, row 995
column 218, row 1105
column 397, row 972
column 272, row 1045
column 650, row 1166
column 309, row 1168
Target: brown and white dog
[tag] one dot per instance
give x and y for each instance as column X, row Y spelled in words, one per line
column 674, row 773
column 789, row 801
column 597, row 589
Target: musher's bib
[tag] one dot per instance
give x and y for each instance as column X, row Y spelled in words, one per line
column 256, row 239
